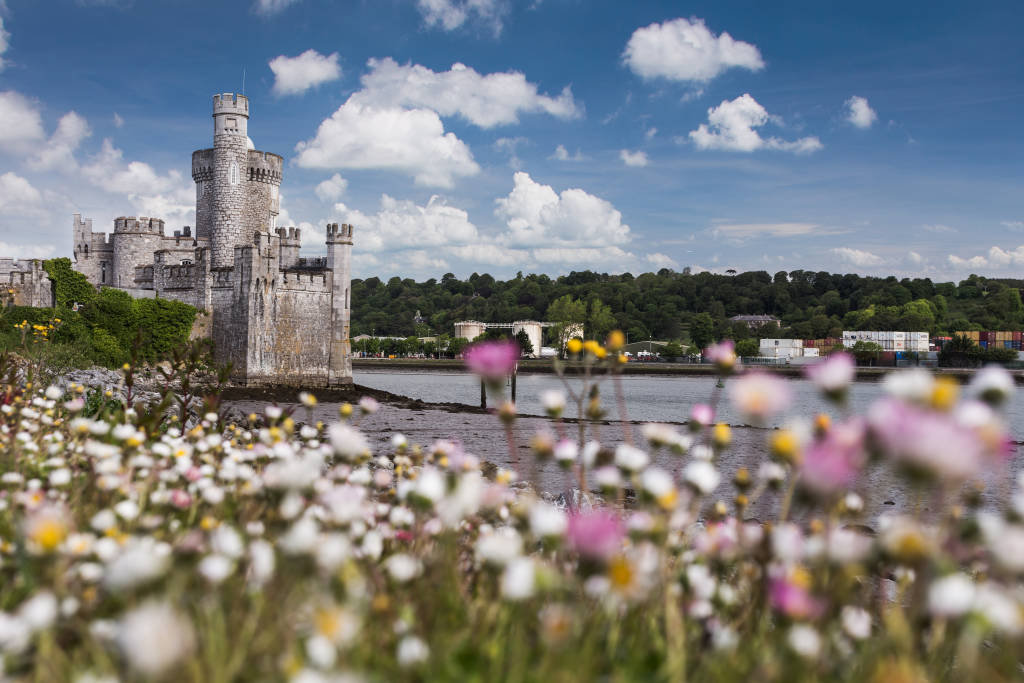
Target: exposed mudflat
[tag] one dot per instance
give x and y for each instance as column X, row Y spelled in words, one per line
column 482, row 434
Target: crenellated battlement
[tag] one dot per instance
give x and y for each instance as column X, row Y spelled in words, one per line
column 339, row 234
column 202, row 165
column 265, row 167
column 289, row 236
column 230, row 103
column 141, row 224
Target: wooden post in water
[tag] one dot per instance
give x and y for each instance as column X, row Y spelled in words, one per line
column 483, row 395
column 515, row 373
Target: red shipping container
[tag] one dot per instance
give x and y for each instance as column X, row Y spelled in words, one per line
column 1016, row 336
column 808, row 343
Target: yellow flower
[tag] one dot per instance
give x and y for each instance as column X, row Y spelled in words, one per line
column 307, row 399
column 208, row 522
column 623, row 359
column 944, row 393
column 46, row 529
column 616, row 340
column 785, row 446
column 574, row 345
column 345, row 410
column 591, row 346
column 621, row 573
column 721, row 435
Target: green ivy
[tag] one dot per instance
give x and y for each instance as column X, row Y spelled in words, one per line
column 108, row 323
column 69, row 285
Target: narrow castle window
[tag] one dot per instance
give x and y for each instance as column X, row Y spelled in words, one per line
column 233, row 174
column 103, row 271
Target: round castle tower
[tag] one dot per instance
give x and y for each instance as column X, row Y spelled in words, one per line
column 134, row 241
column 236, row 185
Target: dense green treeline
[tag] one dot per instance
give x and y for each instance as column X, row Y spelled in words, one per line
column 672, row 305
column 108, row 325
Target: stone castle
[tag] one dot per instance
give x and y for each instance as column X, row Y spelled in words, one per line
column 278, row 318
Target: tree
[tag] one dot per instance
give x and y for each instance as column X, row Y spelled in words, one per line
column 525, row 345
column 866, row 352
column 702, row 330
column 672, row 350
column 601, row 321
column 566, row 313
column 747, row 348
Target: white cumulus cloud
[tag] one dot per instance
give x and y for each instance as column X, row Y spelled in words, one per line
column 296, row 75
column 997, row 257
column 20, row 251
column 535, row 214
column 452, row 14
column 857, row 257
column 859, row 112
column 330, row 190
column 562, row 154
column 685, row 50
column 271, row 7
column 660, row 260
column 410, row 141
column 731, row 126
column 402, row 224
column 637, row 158
column 21, row 126
column 59, row 150
column 167, row 195
column 484, row 100
column 17, row 193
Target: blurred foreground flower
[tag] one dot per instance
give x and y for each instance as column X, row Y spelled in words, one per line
column 492, row 360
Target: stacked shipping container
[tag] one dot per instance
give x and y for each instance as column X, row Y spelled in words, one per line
column 998, row 339
column 888, row 340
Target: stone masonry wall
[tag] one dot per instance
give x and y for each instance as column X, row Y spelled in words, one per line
column 202, row 174
column 229, row 200
column 132, row 249
column 26, row 282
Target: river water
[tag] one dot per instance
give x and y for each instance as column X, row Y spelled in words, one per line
column 648, row 399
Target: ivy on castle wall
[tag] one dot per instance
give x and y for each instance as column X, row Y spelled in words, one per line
column 108, row 323
column 69, row 285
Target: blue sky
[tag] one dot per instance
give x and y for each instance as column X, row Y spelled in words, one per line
column 862, row 137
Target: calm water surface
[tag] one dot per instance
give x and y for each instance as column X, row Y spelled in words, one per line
column 648, row 399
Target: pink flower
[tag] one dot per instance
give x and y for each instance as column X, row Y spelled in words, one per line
column 180, row 499
column 492, row 360
column 831, row 463
column 833, row 375
column 596, row 535
column 793, row 600
column 702, row 414
column 759, row 395
column 926, row 441
column 722, row 354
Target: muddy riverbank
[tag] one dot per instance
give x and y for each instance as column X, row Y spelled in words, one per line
column 480, row 433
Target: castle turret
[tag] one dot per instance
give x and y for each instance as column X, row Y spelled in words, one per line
column 339, row 262
column 229, row 170
column 290, row 245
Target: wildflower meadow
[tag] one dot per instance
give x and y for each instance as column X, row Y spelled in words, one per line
column 163, row 540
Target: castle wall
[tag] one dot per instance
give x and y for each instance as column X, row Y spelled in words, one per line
column 202, row 174
column 339, row 261
column 135, row 241
column 262, row 201
column 93, row 253
column 26, row 283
